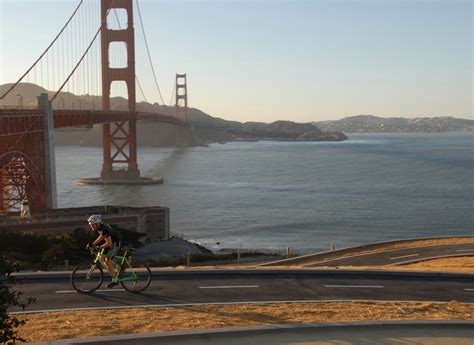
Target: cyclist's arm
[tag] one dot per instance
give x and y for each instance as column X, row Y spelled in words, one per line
column 98, row 240
column 108, row 242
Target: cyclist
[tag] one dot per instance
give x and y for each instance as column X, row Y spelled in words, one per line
column 112, row 241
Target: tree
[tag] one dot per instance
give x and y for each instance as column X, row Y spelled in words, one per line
column 8, row 297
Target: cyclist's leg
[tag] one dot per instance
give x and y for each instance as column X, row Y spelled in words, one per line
column 109, row 255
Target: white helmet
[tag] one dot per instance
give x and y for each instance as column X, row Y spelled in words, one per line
column 95, row 219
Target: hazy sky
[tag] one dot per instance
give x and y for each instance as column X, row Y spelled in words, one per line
column 263, row 60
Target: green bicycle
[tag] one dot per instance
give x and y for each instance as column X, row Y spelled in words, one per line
column 87, row 277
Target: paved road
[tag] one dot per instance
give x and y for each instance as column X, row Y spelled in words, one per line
column 359, row 333
column 391, row 257
column 53, row 291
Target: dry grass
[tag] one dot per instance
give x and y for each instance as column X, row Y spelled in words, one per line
column 81, row 324
column 463, row 264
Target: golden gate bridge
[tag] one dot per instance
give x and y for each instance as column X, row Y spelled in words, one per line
column 69, row 65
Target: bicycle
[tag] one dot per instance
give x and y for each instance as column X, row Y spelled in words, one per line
column 87, row 277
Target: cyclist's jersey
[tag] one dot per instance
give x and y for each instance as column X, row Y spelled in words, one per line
column 106, row 231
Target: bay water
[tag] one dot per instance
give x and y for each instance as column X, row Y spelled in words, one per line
column 303, row 195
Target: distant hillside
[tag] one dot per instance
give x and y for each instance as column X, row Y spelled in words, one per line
column 215, row 129
column 374, row 124
column 205, row 128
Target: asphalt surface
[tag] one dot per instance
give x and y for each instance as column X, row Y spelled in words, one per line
column 391, row 257
column 398, row 256
column 360, row 333
column 189, row 287
column 53, row 291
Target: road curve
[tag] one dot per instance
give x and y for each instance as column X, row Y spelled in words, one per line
column 401, row 256
column 391, row 257
column 53, row 291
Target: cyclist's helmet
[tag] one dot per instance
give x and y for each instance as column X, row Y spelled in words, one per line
column 95, row 219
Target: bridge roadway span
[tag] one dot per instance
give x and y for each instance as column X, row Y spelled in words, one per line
column 23, row 121
column 181, row 287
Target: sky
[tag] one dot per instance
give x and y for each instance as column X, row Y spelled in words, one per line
column 297, row 60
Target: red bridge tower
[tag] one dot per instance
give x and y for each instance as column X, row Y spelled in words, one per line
column 119, row 138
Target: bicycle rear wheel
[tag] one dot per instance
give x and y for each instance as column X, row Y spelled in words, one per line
column 87, row 277
column 136, row 279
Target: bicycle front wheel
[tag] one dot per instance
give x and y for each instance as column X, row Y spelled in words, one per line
column 136, row 279
column 87, row 277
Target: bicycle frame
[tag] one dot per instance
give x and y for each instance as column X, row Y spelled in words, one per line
column 124, row 263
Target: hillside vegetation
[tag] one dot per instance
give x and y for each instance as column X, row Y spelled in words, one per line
column 374, row 124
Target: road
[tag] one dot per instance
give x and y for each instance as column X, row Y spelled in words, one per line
column 391, row 257
column 53, row 291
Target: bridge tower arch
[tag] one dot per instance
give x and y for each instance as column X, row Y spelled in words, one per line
column 119, row 138
column 182, row 132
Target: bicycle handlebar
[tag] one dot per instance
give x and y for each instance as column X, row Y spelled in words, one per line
column 94, row 249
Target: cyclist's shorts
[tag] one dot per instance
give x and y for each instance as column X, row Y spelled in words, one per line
column 112, row 251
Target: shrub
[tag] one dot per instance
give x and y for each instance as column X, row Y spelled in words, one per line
column 8, row 297
column 50, row 250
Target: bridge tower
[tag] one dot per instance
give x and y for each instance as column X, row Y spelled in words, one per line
column 119, row 138
column 182, row 132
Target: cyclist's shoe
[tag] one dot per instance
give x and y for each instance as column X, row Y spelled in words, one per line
column 111, row 284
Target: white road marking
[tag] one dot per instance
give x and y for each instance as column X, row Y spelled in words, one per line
column 404, row 256
column 465, row 250
column 355, row 286
column 229, row 287
column 74, row 291
column 469, row 289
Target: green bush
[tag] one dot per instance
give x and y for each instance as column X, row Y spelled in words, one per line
column 43, row 251
column 8, row 298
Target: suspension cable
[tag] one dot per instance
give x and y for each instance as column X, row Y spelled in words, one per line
column 85, row 53
column 41, row 56
column 77, row 65
column 140, row 88
column 148, row 51
column 172, row 94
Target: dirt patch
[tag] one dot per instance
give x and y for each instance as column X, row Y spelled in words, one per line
column 82, row 324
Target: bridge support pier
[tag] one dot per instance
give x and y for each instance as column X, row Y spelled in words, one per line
column 182, row 132
column 49, row 154
column 119, row 138
column 3, row 205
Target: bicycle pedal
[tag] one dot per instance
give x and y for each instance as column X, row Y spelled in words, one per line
column 111, row 285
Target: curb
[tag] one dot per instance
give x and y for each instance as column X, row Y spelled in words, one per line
column 267, row 272
column 227, row 333
column 267, row 302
